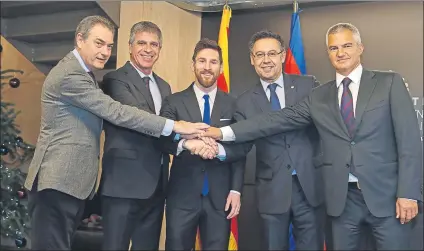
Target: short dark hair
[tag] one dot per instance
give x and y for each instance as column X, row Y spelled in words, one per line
column 206, row 43
column 265, row 34
column 87, row 24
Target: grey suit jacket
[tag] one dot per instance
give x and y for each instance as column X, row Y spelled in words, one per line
column 386, row 148
column 72, row 111
column 278, row 155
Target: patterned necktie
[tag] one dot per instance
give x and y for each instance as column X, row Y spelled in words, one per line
column 346, row 107
column 275, row 102
column 206, row 120
column 146, row 81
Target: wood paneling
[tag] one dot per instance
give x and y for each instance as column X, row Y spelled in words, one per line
column 27, row 97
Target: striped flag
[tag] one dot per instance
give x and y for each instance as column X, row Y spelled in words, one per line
column 295, row 64
column 224, row 85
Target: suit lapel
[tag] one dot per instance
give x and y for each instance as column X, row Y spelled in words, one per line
column 162, row 87
column 217, row 108
column 260, row 98
column 137, row 82
column 335, row 108
column 289, row 92
column 366, row 89
column 192, row 105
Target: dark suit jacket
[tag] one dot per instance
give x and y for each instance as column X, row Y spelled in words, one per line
column 386, row 148
column 131, row 160
column 278, row 155
column 187, row 170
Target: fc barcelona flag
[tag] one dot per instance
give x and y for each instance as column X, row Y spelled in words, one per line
column 224, row 85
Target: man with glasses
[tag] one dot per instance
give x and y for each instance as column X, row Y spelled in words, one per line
column 288, row 184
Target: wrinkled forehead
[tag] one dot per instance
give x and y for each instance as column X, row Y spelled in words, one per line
column 266, row 44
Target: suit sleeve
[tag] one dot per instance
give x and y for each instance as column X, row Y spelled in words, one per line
column 408, row 142
column 235, row 152
column 267, row 124
column 119, row 91
column 169, row 111
column 78, row 90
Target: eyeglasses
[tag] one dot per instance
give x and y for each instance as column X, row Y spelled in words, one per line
column 271, row 54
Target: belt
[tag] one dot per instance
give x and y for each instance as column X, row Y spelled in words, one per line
column 354, row 185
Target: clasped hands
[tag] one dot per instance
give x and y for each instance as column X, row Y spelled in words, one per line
column 205, row 147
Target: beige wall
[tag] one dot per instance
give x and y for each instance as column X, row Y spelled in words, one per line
column 181, row 31
column 27, row 97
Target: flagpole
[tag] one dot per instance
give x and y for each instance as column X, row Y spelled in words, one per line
column 295, row 6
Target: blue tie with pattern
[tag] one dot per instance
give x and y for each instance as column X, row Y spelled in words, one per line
column 275, row 102
column 346, row 107
column 206, row 120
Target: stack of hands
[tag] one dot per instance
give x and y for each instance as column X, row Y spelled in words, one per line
column 199, row 138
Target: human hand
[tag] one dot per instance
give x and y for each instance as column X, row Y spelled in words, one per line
column 233, row 200
column 212, row 132
column 187, row 128
column 200, row 148
column 406, row 209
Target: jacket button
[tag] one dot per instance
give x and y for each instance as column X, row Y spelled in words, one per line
column 347, row 165
column 203, row 169
column 352, row 143
column 288, row 166
column 288, row 145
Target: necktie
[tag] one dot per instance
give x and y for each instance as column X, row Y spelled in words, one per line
column 346, row 107
column 146, row 81
column 92, row 76
column 275, row 102
column 206, row 120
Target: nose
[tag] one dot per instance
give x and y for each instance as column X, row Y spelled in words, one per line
column 208, row 65
column 106, row 51
column 340, row 52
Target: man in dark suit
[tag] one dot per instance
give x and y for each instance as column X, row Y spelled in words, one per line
column 288, row 186
column 372, row 153
column 201, row 191
column 135, row 172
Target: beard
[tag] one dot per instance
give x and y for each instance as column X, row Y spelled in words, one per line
column 206, row 82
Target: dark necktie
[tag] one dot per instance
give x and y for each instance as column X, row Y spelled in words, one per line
column 346, row 107
column 275, row 102
column 206, row 120
column 146, row 81
column 92, row 76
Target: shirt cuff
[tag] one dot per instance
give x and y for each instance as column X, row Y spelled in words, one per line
column 236, row 192
column 177, row 137
column 222, row 155
column 227, row 134
column 180, row 147
column 169, row 126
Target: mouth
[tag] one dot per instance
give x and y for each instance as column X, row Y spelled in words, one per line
column 102, row 59
column 342, row 60
column 267, row 68
column 207, row 74
column 147, row 57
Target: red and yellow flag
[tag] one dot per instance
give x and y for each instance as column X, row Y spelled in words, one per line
column 224, row 85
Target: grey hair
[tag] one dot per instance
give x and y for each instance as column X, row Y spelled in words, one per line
column 265, row 34
column 145, row 26
column 344, row 26
column 85, row 26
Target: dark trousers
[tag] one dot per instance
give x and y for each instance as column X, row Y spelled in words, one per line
column 182, row 224
column 138, row 220
column 388, row 233
column 55, row 217
column 308, row 221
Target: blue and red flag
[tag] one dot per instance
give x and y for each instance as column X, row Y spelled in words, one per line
column 295, row 64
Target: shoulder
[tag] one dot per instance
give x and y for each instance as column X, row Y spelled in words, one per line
column 117, row 74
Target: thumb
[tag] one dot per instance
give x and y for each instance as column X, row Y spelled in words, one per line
column 227, row 206
column 397, row 210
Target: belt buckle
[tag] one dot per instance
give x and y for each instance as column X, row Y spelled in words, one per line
column 357, row 184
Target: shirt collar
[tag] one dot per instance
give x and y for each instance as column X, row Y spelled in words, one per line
column 199, row 93
column 142, row 75
column 355, row 76
column 279, row 81
column 79, row 58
